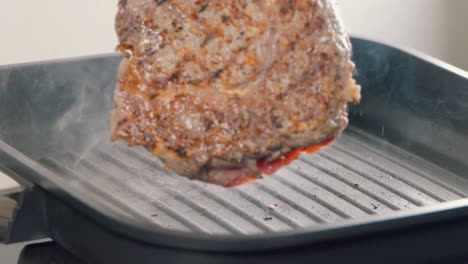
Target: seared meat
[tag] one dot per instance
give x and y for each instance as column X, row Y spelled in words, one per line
column 223, row 90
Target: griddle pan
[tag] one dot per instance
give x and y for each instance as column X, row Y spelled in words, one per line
column 400, row 168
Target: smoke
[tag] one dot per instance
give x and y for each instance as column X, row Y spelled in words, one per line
column 57, row 108
column 86, row 121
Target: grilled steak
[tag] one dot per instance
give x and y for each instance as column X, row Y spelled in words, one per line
column 222, row 91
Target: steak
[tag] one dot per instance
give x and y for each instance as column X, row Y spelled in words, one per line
column 225, row 91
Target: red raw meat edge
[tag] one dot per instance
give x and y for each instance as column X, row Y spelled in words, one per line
column 268, row 168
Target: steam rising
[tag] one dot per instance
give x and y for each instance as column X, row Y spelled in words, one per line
column 57, row 108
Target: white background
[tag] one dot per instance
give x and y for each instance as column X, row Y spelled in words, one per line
column 50, row 29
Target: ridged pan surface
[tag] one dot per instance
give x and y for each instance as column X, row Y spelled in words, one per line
column 349, row 180
column 405, row 149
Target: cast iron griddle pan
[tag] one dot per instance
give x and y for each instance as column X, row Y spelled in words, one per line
column 401, row 165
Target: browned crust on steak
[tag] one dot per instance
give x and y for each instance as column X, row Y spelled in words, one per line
column 219, row 84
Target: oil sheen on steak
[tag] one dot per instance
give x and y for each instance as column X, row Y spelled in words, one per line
column 215, row 88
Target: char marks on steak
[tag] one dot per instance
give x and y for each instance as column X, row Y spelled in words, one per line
column 216, row 88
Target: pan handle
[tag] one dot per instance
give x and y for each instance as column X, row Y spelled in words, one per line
column 25, row 216
column 46, row 252
column 8, row 185
column 8, row 189
column 7, row 207
column 22, row 211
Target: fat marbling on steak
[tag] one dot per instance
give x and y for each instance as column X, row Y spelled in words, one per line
column 223, row 91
